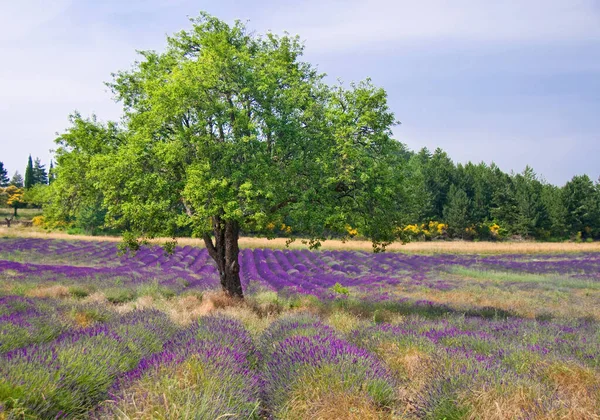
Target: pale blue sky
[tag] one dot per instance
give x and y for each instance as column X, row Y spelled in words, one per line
column 517, row 82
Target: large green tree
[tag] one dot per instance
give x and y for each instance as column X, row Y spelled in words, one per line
column 229, row 131
column 75, row 195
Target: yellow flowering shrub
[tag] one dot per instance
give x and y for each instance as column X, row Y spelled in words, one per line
column 412, row 229
column 425, row 231
column 436, row 229
column 38, row 221
column 494, row 230
column 351, row 231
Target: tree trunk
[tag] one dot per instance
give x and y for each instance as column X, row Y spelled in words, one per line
column 15, row 212
column 225, row 251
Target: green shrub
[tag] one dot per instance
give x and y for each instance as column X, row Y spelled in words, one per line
column 117, row 296
column 339, row 289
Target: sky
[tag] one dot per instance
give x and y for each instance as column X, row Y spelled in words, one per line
column 515, row 82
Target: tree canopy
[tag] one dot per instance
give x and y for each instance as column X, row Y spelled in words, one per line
column 227, row 130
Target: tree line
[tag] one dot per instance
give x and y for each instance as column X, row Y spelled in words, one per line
column 440, row 200
column 18, row 192
column 480, row 201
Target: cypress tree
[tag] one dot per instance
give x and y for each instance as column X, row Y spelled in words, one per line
column 29, row 180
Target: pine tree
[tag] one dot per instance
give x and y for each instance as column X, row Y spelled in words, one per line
column 17, row 180
column 583, row 212
column 3, row 176
column 39, row 173
column 29, row 180
column 456, row 211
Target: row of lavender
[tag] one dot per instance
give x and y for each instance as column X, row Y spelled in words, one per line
column 296, row 270
column 88, row 253
column 142, row 361
column 142, row 365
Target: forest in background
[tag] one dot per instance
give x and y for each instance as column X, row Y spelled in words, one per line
column 439, row 199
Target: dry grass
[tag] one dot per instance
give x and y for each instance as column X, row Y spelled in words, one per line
column 459, row 247
column 142, row 302
column 526, row 303
column 83, row 319
column 97, row 298
column 343, row 321
column 518, row 403
column 335, row 406
column 22, row 232
column 254, row 323
column 579, row 388
column 55, row 291
column 184, row 310
column 409, row 362
column 413, row 367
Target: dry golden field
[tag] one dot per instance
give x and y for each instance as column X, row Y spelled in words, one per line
column 437, row 247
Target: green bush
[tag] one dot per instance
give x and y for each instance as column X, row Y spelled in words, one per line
column 339, row 289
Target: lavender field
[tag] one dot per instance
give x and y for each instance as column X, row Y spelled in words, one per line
column 88, row 333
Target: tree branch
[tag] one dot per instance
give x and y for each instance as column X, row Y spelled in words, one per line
column 212, row 251
column 283, row 204
column 188, row 210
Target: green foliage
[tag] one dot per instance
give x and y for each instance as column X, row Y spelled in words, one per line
column 29, row 180
column 90, row 217
column 51, row 173
column 439, row 177
column 228, row 129
column 17, row 180
column 155, row 290
column 37, row 196
column 40, row 176
column 456, row 212
column 78, row 291
column 3, row 176
column 581, row 199
column 339, row 289
column 119, row 295
column 531, row 214
column 75, row 196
